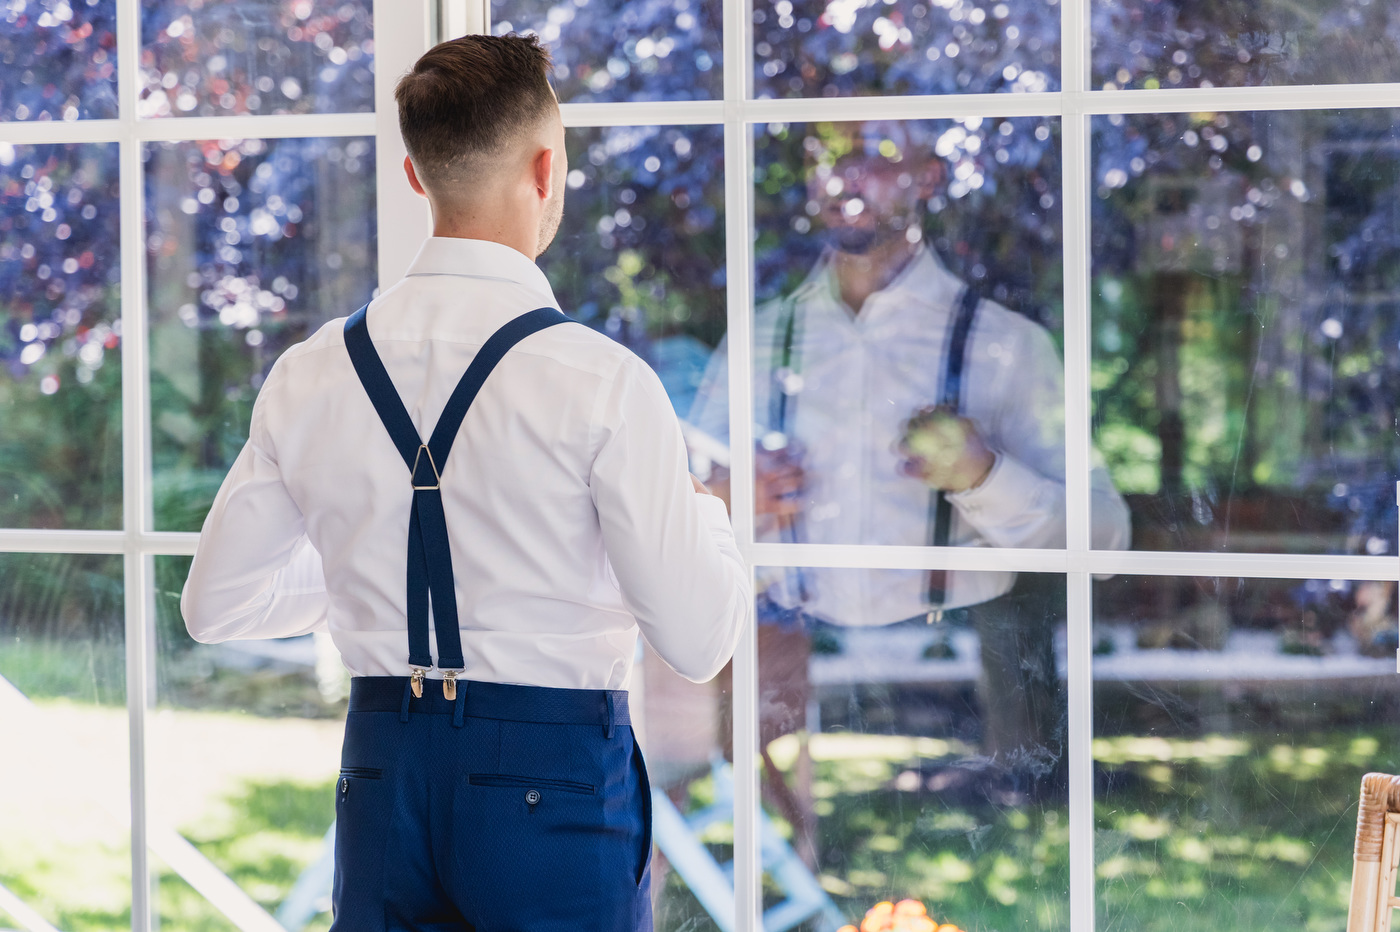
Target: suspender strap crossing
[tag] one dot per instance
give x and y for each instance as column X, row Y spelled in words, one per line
column 940, row 510
column 429, row 553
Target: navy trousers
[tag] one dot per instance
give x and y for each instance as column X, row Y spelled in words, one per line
column 511, row 809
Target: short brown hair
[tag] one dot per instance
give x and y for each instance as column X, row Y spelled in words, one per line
column 465, row 99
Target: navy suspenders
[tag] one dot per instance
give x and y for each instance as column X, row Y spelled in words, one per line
column 429, row 554
column 940, row 510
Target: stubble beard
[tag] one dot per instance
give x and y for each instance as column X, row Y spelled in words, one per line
column 549, row 223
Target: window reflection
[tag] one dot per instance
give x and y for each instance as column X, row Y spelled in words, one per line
column 1245, row 327
column 1233, row 720
column 60, row 337
column 838, row 48
column 921, row 760
column 63, row 725
column 225, row 57
column 251, row 245
column 907, row 385
column 58, row 60
column 1231, row 43
column 614, row 50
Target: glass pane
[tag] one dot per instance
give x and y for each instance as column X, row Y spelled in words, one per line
column 686, row 736
column 817, row 48
column 1246, row 310
column 610, row 50
column 1233, row 720
column 868, row 234
column 252, row 244
column 640, row 253
column 58, row 60
column 1243, row 43
column 60, row 337
column 914, row 760
column 225, row 57
column 66, row 782
column 244, row 748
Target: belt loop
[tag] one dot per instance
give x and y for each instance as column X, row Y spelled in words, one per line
column 460, row 703
column 407, row 694
column 608, row 728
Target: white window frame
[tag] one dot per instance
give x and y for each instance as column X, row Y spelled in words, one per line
column 403, row 29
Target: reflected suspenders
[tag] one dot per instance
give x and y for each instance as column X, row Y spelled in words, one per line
column 429, row 553
column 940, row 510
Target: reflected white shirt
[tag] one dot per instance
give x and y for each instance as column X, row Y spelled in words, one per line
column 572, row 519
column 851, row 383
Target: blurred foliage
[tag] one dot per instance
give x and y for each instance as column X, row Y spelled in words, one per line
column 1243, row 43
column 227, row 57
column 58, row 60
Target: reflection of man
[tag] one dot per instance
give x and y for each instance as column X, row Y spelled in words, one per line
column 851, row 376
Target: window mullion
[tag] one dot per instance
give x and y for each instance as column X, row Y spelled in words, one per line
column 136, row 506
column 1074, row 192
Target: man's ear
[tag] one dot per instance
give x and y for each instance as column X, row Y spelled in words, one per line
column 542, row 169
column 412, row 174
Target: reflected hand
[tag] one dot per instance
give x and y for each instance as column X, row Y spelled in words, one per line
column 778, row 482
column 944, row 450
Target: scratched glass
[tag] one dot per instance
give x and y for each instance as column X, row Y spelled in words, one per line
column 230, row 57
column 1246, row 314
column 60, row 337
column 916, row 760
column 251, row 245
column 1243, row 43
column 66, row 782
column 1233, row 720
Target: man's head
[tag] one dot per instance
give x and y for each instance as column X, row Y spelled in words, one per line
column 870, row 182
column 485, row 140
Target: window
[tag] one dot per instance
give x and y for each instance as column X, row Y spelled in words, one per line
column 1141, row 697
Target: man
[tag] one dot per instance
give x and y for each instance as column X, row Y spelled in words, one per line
column 489, row 777
column 861, row 441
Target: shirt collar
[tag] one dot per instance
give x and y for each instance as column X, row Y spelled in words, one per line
column 477, row 258
column 925, row 280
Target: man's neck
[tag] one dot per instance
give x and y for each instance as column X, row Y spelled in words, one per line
column 860, row 276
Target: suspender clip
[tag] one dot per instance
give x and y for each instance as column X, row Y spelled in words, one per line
column 449, row 684
column 416, row 681
column 935, row 616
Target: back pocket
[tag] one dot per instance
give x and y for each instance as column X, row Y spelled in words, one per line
column 363, row 804
column 510, row 779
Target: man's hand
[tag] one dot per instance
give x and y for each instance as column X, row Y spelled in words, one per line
column 944, row 451
column 778, row 482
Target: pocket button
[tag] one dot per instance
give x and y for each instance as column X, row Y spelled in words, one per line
column 532, row 797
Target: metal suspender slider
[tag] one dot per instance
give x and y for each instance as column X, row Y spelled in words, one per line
column 413, row 475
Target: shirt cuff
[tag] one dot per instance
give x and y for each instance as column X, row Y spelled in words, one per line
column 1005, row 497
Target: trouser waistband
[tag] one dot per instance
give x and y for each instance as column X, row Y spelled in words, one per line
column 503, row 701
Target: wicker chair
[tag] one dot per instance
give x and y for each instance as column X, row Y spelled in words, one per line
column 1377, row 854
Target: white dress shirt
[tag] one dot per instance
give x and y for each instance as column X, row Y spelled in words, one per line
column 572, row 518
column 852, row 382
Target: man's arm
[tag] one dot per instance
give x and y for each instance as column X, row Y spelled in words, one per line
column 671, row 546
column 255, row 574
column 1021, row 502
